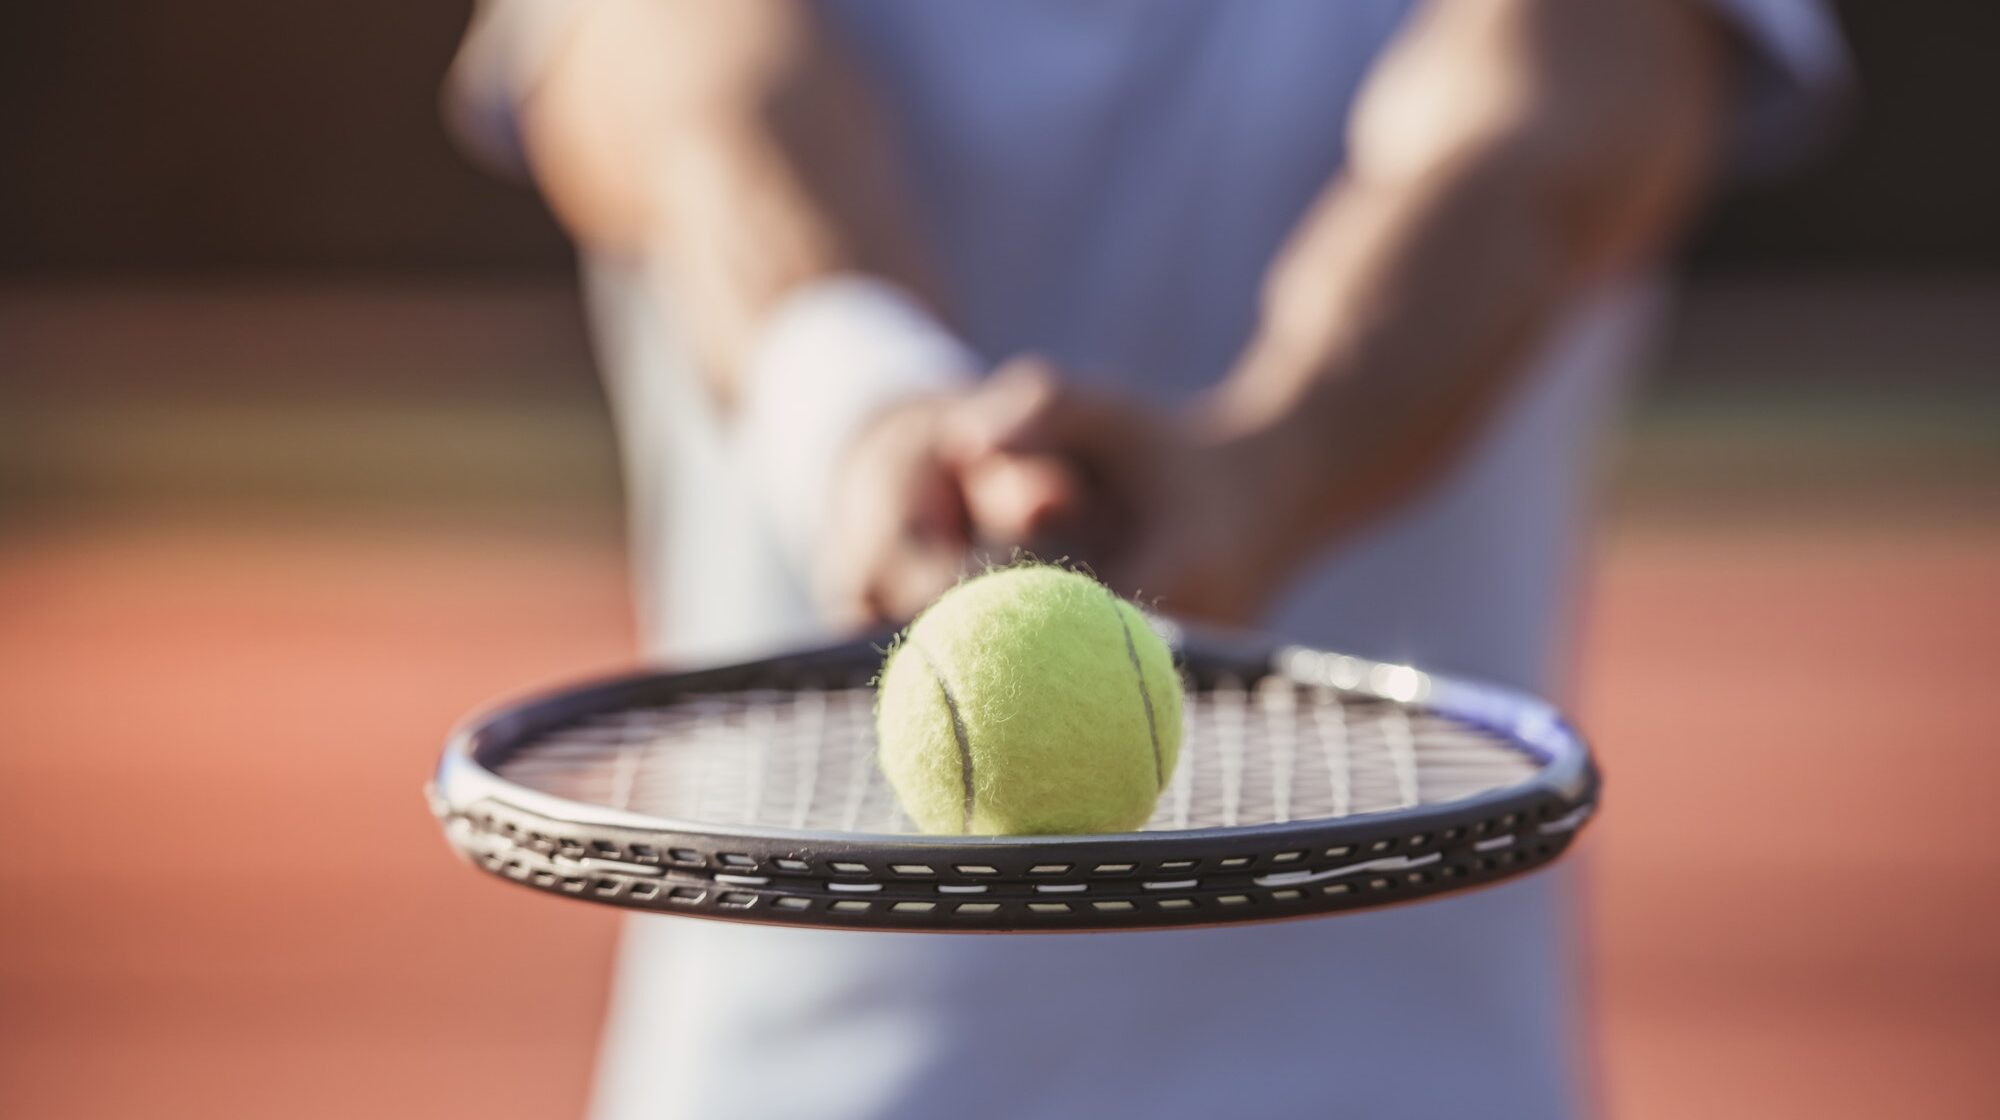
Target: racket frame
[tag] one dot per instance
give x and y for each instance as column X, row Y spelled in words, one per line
column 933, row 883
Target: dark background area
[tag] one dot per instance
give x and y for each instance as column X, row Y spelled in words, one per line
column 229, row 136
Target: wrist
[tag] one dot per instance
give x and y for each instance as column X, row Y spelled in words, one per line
column 1276, row 435
column 1261, row 499
column 831, row 359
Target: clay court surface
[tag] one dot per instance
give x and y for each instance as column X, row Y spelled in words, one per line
column 227, row 900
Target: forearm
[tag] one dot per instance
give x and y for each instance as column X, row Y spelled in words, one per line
column 1417, row 285
column 1373, row 365
column 729, row 143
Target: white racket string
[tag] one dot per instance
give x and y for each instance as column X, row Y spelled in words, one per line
column 804, row 759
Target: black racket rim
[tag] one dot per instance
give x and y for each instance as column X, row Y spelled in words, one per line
column 931, row 883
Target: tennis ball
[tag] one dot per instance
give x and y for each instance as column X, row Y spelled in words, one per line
column 1029, row 699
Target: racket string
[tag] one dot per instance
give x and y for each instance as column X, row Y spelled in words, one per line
column 1402, row 750
column 1329, row 719
column 1280, row 699
column 1229, row 732
column 812, row 734
column 1254, row 752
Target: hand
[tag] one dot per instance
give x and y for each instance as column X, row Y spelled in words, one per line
column 900, row 531
column 1154, row 507
column 897, row 533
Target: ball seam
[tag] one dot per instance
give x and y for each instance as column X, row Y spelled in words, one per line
column 1145, row 694
column 958, row 731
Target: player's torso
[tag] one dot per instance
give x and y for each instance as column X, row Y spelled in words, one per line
column 1106, row 182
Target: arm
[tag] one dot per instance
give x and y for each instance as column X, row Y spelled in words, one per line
column 732, row 143
column 1504, row 155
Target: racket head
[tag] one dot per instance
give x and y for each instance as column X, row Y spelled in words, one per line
column 1310, row 783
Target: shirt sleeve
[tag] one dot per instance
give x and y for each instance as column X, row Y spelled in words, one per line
column 1794, row 81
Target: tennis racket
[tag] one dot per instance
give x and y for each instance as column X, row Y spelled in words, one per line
column 1309, row 782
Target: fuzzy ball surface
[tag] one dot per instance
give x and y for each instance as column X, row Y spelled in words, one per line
column 1029, row 700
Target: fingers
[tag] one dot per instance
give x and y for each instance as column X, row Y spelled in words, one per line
column 897, row 530
column 986, row 419
column 1023, row 462
column 1026, row 408
column 895, row 580
column 1018, row 501
column 910, row 578
column 928, row 553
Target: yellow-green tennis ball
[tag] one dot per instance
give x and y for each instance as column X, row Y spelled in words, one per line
column 1029, row 700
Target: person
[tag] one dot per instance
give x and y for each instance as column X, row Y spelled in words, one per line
column 1305, row 316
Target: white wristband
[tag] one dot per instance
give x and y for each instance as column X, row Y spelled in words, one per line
column 827, row 361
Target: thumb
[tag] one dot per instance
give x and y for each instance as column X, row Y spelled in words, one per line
column 1016, row 500
column 1015, row 409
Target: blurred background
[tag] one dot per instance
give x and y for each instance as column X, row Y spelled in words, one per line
column 302, row 455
